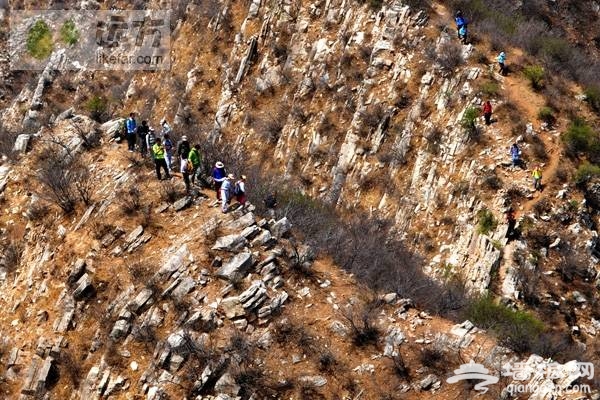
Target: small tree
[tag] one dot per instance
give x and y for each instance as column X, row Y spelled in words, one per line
column 536, row 75
column 468, row 121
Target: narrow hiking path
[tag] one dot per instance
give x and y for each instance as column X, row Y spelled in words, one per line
column 518, row 91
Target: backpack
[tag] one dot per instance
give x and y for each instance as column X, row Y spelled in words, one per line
column 237, row 190
column 189, row 167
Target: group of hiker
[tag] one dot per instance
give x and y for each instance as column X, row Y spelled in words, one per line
column 462, row 31
column 161, row 150
column 515, row 152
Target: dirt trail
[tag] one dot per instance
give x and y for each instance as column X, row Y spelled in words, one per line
column 518, row 91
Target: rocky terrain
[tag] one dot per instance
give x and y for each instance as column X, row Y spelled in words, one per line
column 115, row 285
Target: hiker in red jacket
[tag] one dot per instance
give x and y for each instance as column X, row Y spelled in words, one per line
column 487, row 112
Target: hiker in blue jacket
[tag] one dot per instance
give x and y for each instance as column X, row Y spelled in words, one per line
column 131, row 126
column 515, row 154
column 460, row 22
column 501, row 62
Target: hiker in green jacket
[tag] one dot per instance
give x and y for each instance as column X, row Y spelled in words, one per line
column 196, row 160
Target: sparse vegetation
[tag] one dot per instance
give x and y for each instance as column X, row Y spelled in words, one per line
column 487, row 221
column 449, row 56
column 546, row 114
column 468, row 122
column 581, row 138
column 363, row 327
column 592, row 97
column 489, row 88
column 69, row 33
column 518, row 330
column 39, row 40
column 535, row 74
column 96, row 106
column 586, row 171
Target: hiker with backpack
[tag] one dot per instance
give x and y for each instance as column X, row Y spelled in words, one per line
column 168, row 151
column 219, row 175
column 239, row 190
column 195, row 160
column 460, row 22
column 158, row 152
column 142, row 131
column 502, row 63
column 537, row 178
column 151, row 139
column 131, row 126
column 183, row 151
column 487, row 112
column 226, row 192
column 185, row 169
column 515, row 154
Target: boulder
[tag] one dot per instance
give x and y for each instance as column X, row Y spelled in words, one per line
column 236, row 267
column 281, row 227
column 230, row 243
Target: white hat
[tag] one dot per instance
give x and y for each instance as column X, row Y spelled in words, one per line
column 162, row 121
column 184, row 137
column 230, row 176
column 219, row 164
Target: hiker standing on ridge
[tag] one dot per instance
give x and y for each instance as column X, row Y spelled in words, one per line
column 142, row 131
column 502, row 63
column 159, row 159
column 487, row 112
column 460, row 22
column 183, row 151
column 165, row 127
column 515, row 154
column 195, row 159
column 226, row 192
column 168, row 143
column 131, row 126
column 150, row 141
column 239, row 190
column 537, row 178
column 219, row 175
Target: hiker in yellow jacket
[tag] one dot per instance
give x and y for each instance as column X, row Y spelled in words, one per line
column 159, row 159
column 537, row 178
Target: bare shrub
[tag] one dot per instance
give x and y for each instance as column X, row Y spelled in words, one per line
column 491, row 181
column 269, row 127
column 83, row 182
column 71, row 366
column 373, row 115
column 12, row 252
column 400, row 367
column 327, row 362
column 539, row 148
column 449, row 56
column 364, row 330
column 168, row 192
column 7, row 142
column 57, row 180
column 130, row 200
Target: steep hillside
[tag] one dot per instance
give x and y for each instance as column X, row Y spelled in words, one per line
column 366, row 120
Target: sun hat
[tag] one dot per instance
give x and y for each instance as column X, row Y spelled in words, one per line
column 219, row 164
column 244, row 177
column 184, row 137
column 230, row 176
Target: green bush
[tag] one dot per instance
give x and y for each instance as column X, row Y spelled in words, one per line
column 96, row 106
column 586, row 171
column 580, row 138
column 535, row 74
column 39, row 40
column 468, row 120
column 487, row 221
column 489, row 88
column 592, row 96
column 546, row 114
column 516, row 329
column 69, row 33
